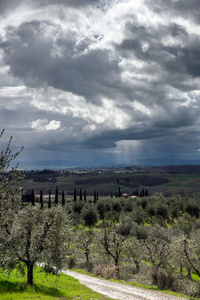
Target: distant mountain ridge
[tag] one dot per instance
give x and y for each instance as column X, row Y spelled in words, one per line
column 61, row 164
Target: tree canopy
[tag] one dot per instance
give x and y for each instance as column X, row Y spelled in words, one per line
column 28, row 234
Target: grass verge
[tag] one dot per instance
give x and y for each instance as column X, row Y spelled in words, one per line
column 13, row 287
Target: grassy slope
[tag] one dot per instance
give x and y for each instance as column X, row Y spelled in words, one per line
column 48, row 287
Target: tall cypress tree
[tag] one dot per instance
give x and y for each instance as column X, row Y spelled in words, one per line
column 63, row 198
column 49, row 203
column 80, row 198
column 74, row 194
column 22, row 196
column 119, row 192
column 95, row 196
column 32, row 198
column 85, row 196
column 41, row 199
column 143, row 193
column 56, row 196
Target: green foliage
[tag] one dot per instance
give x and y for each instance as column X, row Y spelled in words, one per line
column 101, row 208
column 85, row 242
column 71, row 262
column 162, row 211
column 78, row 206
column 112, row 242
column 125, row 227
column 128, row 207
column 193, row 209
column 10, row 189
column 89, row 216
column 116, row 205
column 35, row 235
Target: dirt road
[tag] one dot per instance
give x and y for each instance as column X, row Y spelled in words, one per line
column 119, row 291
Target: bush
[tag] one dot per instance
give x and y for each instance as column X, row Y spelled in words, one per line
column 108, row 271
column 162, row 210
column 89, row 216
column 89, row 266
column 49, row 270
column 78, row 206
column 193, row 289
column 116, row 206
column 101, row 209
column 164, row 280
column 71, row 262
column 138, row 215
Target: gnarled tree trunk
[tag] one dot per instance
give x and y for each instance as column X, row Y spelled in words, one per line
column 29, row 274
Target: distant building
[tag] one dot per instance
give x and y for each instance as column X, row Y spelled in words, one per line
column 125, row 195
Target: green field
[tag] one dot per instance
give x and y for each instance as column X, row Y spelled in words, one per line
column 184, row 184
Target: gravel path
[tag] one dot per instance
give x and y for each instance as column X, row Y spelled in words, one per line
column 119, row 291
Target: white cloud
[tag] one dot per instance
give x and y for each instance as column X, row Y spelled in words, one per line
column 107, row 115
column 53, row 125
column 39, row 124
column 42, row 124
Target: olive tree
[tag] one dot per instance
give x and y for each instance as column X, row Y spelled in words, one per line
column 157, row 246
column 178, row 259
column 112, row 243
column 10, row 189
column 27, row 234
column 133, row 248
column 85, row 241
column 35, row 236
column 89, row 216
column 191, row 250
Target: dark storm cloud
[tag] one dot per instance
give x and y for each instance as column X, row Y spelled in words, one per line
column 187, row 58
column 72, row 3
column 184, row 8
column 30, row 55
column 163, row 127
column 139, row 75
column 138, row 35
column 183, row 57
column 7, row 5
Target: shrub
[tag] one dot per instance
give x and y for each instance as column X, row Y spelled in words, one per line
column 101, row 209
column 71, row 262
column 89, row 266
column 49, row 270
column 193, row 289
column 78, row 206
column 164, row 280
column 108, row 271
column 89, row 216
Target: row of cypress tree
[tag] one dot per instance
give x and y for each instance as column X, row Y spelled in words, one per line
column 82, row 196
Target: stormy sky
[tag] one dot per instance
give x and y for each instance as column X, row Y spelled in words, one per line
column 100, row 81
